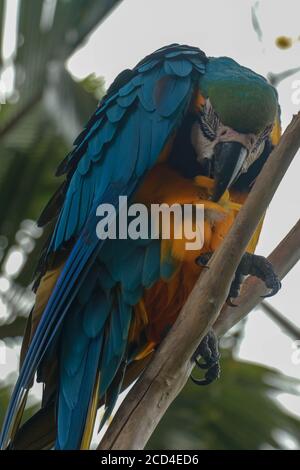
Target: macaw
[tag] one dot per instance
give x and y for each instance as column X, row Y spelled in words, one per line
column 180, row 127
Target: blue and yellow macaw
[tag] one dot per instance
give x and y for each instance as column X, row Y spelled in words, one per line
column 178, row 128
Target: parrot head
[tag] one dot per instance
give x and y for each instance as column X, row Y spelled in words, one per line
column 238, row 112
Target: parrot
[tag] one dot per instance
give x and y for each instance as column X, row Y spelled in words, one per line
column 180, row 127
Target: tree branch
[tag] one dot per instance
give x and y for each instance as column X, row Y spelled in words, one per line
column 171, row 366
column 283, row 259
column 287, row 326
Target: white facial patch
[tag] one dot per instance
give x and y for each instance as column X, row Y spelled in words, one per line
column 252, row 156
column 208, row 131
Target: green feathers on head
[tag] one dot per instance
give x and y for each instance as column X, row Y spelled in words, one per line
column 242, row 99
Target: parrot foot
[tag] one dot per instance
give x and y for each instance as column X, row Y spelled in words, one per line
column 250, row 265
column 254, row 265
column 208, row 350
column 203, row 259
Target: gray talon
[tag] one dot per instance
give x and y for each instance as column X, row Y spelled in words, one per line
column 208, row 350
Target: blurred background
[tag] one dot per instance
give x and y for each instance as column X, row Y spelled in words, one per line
column 57, row 57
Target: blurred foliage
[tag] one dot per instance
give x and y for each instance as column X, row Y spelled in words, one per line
column 236, row 412
column 38, row 122
column 33, row 149
column 283, row 42
column 5, row 392
column 94, row 85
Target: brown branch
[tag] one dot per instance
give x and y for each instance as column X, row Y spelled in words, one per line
column 170, row 368
column 287, row 326
column 15, row 120
column 283, row 259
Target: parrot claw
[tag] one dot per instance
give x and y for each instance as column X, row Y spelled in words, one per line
column 211, row 375
column 209, row 351
column 201, row 365
column 275, row 289
column 230, row 303
column 250, row 265
column 255, row 265
column 203, row 259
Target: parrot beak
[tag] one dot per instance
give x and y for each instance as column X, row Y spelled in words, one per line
column 228, row 160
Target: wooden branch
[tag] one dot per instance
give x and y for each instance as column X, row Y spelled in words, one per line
column 287, row 326
column 283, row 259
column 170, row 368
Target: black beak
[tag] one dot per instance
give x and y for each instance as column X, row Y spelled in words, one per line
column 228, row 160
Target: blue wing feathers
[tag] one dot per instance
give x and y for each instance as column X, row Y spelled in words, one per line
column 115, row 344
column 107, row 281
column 115, row 113
column 175, row 87
column 96, row 313
column 119, row 160
column 90, row 308
column 127, row 100
column 132, row 296
column 181, row 68
column 151, row 267
column 69, row 437
column 148, row 66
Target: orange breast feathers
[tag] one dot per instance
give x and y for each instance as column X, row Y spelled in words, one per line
column 165, row 185
column 162, row 303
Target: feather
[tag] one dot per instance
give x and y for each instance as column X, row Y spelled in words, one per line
column 115, row 343
column 71, row 420
column 151, row 267
column 97, row 174
column 181, row 68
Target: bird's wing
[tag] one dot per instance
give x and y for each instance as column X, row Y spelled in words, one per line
column 122, row 141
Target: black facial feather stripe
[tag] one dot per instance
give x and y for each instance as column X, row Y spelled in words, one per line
column 207, row 130
column 209, row 122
